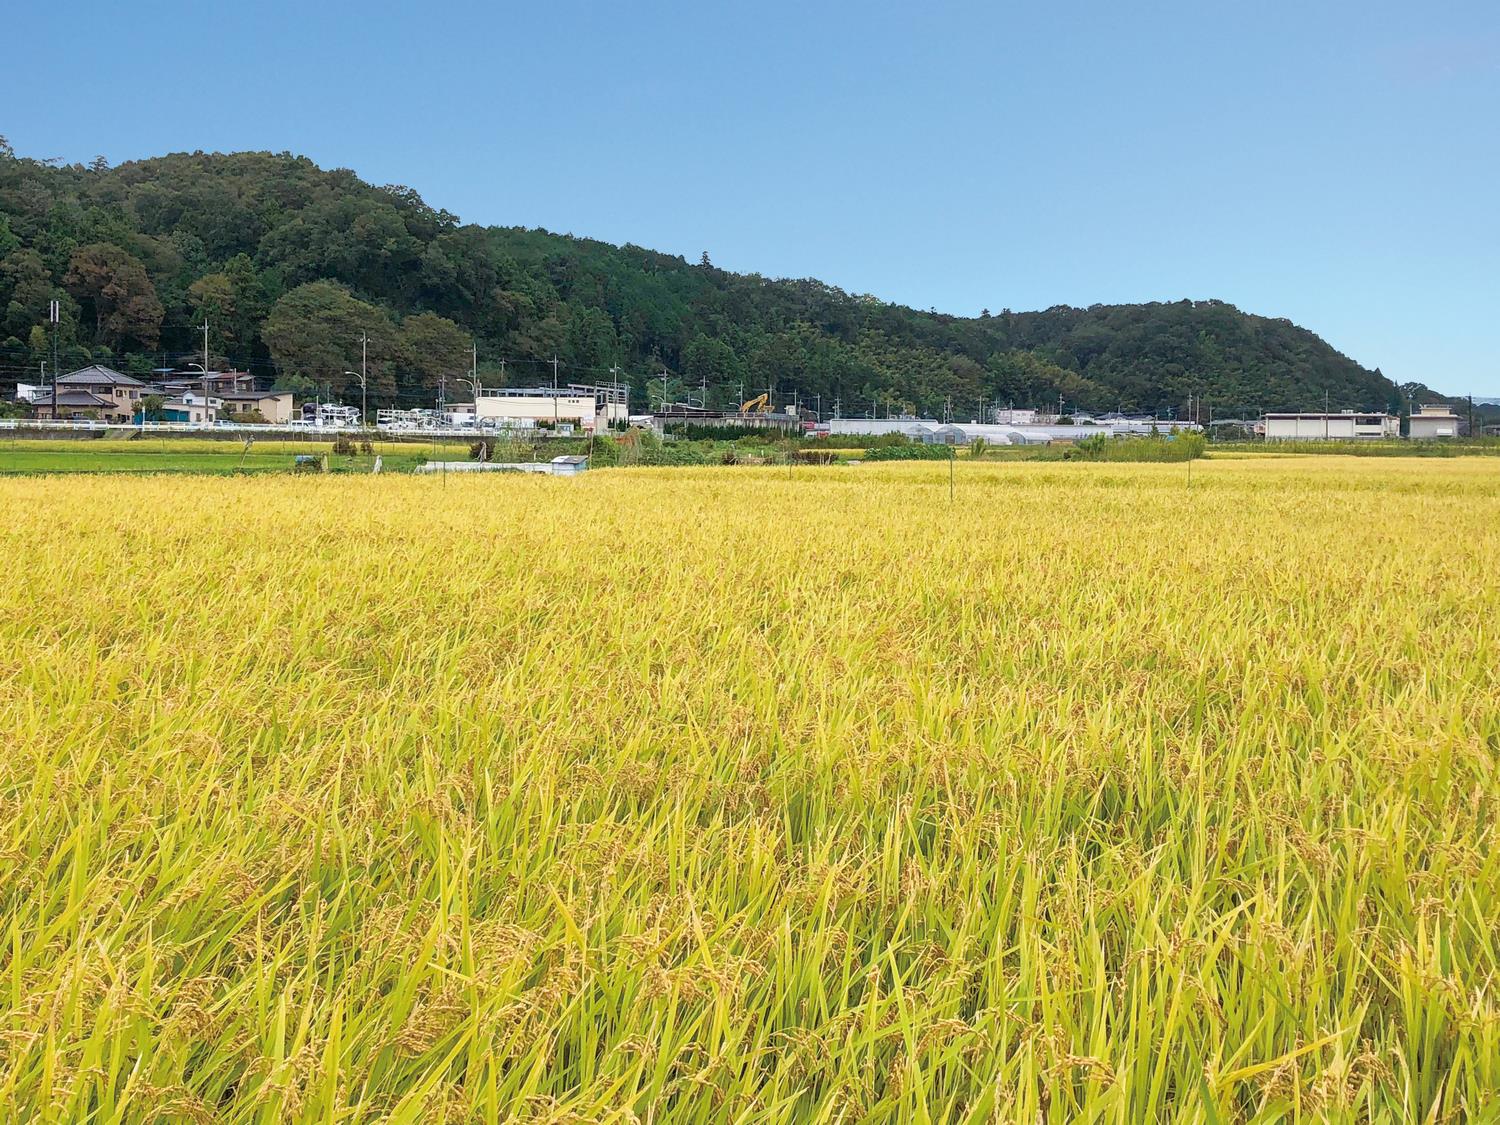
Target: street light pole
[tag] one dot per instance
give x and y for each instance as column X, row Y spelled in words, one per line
column 360, row 375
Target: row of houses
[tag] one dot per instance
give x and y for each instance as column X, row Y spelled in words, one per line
column 99, row 392
column 112, row 396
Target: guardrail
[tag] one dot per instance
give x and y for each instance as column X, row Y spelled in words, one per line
column 265, row 428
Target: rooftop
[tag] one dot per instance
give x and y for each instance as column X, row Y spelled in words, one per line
column 1330, row 414
column 97, row 374
column 76, row 398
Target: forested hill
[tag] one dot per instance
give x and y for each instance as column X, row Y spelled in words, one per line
column 290, row 265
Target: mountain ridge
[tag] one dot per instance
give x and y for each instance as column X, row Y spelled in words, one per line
column 291, row 264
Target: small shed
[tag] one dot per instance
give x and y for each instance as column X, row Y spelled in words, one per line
column 569, row 466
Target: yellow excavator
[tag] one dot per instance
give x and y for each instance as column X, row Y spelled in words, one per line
column 760, row 404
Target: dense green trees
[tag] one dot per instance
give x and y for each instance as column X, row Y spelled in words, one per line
column 431, row 352
column 113, row 290
column 321, row 333
column 291, row 265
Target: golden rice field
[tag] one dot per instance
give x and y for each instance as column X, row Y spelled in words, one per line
column 729, row 795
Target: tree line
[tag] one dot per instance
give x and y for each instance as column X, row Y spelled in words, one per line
column 292, row 266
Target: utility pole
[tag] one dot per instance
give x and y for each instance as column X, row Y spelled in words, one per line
column 554, row 393
column 364, row 376
column 474, row 379
column 205, row 370
column 54, row 312
column 1325, row 414
column 663, row 390
column 614, row 393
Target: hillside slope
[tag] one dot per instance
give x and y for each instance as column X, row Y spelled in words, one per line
column 290, row 264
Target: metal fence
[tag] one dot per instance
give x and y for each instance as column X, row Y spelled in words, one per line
column 262, row 428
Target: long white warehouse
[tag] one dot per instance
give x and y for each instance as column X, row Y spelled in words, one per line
column 1346, row 425
column 588, row 408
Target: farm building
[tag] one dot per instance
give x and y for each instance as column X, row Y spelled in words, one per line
column 947, row 435
column 1346, row 425
column 1434, row 421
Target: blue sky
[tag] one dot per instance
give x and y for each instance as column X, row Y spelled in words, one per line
column 1336, row 163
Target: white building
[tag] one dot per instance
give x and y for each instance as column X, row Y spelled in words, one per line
column 1346, row 425
column 1434, row 421
column 586, row 407
column 192, row 407
column 1009, row 416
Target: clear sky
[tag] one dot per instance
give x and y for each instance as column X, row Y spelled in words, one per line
column 1336, row 162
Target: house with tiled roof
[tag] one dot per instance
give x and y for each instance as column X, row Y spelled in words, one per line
column 95, row 391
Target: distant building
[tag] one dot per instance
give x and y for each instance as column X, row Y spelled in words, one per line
column 1433, row 421
column 274, row 406
column 92, row 392
column 1346, row 425
column 215, row 382
column 587, row 407
column 193, row 408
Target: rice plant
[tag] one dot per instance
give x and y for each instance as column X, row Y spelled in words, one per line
column 754, row 795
